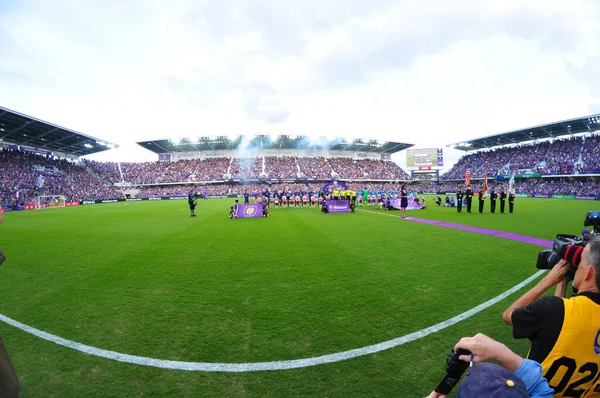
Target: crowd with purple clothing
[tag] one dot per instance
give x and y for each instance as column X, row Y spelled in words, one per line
column 383, row 170
column 590, row 156
column 25, row 176
column 217, row 169
column 561, row 156
column 573, row 155
column 318, row 168
column 346, row 168
column 108, row 171
column 246, row 168
column 212, row 169
column 92, row 180
column 281, row 167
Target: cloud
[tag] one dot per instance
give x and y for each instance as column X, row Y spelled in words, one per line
column 402, row 71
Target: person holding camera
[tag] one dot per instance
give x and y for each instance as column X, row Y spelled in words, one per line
column 514, row 377
column 564, row 333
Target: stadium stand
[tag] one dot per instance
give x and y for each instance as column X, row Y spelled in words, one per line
column 20, row 171
column 281, row 167
column 590, row 155
column 27, row 172
column 319, row 168
column 575, row 155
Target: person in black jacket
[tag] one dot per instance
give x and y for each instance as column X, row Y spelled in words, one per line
column 459, row 199
column 502, row 200
column 511, row 202
column 493, row 197
column 481, row 199
column 469, row 198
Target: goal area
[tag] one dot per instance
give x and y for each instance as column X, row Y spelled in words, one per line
column 45, row 201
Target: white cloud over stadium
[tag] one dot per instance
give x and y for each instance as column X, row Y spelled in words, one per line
column 429, row 73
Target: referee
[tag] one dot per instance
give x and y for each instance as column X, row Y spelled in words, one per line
column 192, row 203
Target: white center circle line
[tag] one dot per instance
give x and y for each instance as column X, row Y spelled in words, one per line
column 272, row 365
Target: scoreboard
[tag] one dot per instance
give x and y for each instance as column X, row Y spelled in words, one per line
column 424, row 159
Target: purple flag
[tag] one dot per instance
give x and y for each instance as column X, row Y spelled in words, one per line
column 249, row 211
column 338, row 206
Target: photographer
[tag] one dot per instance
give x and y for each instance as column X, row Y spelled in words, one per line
column 515, row 377
column 564, row 333
column 9, row 382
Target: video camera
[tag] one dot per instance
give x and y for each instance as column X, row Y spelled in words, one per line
column 566, row 247
column 454, row 370
column 569, row 247
column 592, row 219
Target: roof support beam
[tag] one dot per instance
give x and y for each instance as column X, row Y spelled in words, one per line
column 21, row 127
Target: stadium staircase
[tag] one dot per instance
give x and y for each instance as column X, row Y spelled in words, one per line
column 229, row 167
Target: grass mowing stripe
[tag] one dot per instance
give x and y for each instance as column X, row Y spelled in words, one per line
column 263, row 366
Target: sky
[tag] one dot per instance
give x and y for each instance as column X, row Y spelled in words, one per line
column 429, row 73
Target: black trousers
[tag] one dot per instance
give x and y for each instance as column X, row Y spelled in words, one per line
column 481, row 205
column 469, row 205
column 511, row 206
column 502, row 206
column 459, row 205
column 493, row 206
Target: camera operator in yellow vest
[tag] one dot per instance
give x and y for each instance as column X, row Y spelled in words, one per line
column 564, row 333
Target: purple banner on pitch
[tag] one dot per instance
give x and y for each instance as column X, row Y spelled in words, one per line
column 338, row 206
column 249, row 211
column 412, row 205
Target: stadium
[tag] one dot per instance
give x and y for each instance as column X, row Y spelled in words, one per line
column 111, row 289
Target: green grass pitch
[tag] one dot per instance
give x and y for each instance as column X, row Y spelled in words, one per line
column 146, row 279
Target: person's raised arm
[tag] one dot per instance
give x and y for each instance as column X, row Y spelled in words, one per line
column 555, row 276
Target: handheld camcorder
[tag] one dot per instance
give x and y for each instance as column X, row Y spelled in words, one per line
column 454, row 370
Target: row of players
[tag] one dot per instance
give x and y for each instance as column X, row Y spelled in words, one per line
column 309, row 200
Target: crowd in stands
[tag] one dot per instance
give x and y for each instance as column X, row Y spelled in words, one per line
column 108, row 171
column 346, row 168
column 246, row 168
column 381, row 170
column 574, row 155
column 91, row 180
column 20, row 179
column 281, row 167
column 561, row 156
column 213, row 169
column 318, row 168
column 590, row 156
column 290, row 167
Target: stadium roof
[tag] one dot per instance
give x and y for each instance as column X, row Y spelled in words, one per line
column 259, row 142
column 19, row 129
column 587, row 124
